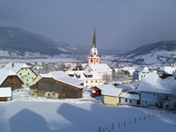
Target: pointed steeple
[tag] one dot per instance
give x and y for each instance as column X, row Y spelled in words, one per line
column 94, row 45
column 94, row 57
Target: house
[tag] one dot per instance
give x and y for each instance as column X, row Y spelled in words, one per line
column 167, row 71
column 5, row 94
column 130, row 98
column 8, row 78
column 111, row 96
column 126, row 87
column 57, row 85
column 74, row 67
column 104, row 71
column 89, row 79
column 158, row 92
column 128, row 70
column 117, row 83
column 140, row 73
column 23, row 71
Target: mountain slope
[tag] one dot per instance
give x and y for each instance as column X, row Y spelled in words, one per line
column 17, row 41
column 160, row 52
column 149, row 48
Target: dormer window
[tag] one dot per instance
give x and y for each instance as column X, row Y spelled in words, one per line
column 71, row 75
column 88, row 75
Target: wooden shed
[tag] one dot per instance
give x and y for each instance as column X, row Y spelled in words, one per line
column 9, row 79
column 5, row 94
column 111, row 96
column 57, row 85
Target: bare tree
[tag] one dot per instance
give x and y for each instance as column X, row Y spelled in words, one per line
column 106, row 78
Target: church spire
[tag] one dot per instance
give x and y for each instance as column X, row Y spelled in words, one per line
column 94, row 45
column 94, row 57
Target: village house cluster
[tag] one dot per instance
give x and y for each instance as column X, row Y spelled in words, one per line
column 143, row 86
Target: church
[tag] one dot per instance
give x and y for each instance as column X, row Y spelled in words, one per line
column 104, row 71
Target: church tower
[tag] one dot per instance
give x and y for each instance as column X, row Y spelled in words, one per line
column 94, row 57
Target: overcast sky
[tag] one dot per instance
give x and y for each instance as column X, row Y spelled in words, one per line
column 120, row 24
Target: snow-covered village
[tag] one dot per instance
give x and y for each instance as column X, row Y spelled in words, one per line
column 49, row 86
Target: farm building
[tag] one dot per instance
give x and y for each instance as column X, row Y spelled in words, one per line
column 9, row 79
column 23, row 71
column 57, row 85
column 5, row 94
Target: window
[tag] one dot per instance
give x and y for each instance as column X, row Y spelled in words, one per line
column 86, row 81
column 48, row 95
column 130, row 101
column 166, row 97
column 22, row 69
column 28, row 73
column 96, row 81
column 11, row 78
column 91, row 81
column 25, row 68
column 156, row 104
column 125, row 100
column 91, row 60
column 146, row 102
column 20, row 74
column 53, row 93
column 158, row 95
column 154, row 94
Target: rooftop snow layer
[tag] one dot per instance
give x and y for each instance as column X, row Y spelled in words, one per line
column 5, row 92
column 63, row 77
column 100, row 68
column 152, row 83
column 16, row 66
column 4, row 74
column 130, row 96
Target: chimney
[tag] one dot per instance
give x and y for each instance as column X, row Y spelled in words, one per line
column 12, row 65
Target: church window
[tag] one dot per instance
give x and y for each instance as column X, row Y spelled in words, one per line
column 91, row 60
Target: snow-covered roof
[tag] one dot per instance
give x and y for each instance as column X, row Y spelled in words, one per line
column 88, row 73
column 83, row 65
column 141, row 68
column 129, row 69
column 168, row 69
column 83, row 73
column 126, row 87
column 117, row 82
column 16, row 66
column 5, row 92
column 104, row 87
column 115, row 92
column 62, row 77
column 129, row 96
column 100, row 67
column 152, row 83
column 4, row 74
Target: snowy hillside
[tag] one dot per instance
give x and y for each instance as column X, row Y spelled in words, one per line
column 26, row 114
column 161, row 52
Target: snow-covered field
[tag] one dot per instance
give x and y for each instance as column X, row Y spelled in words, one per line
column 32, row 114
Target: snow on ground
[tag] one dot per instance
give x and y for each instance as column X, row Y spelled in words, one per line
column 33, row 114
